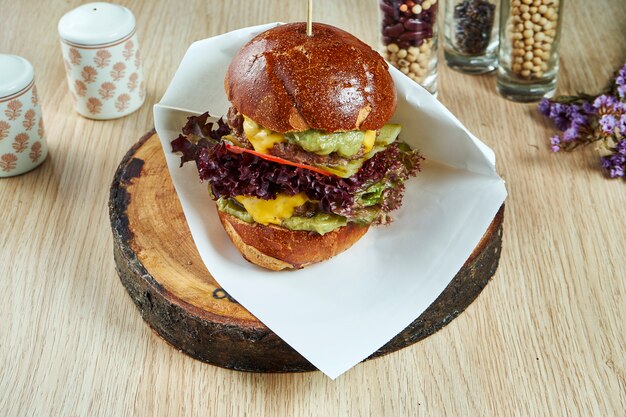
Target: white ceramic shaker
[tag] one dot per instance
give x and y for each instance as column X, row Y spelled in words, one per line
column 102, row 60
column 22, row 138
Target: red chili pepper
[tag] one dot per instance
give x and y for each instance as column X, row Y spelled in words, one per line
column 239, row 150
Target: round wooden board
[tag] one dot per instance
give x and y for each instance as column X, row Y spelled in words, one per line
column 159, row 265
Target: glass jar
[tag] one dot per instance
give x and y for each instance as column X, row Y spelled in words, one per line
column 409, row 39
column 529, row 48
column 471, row 35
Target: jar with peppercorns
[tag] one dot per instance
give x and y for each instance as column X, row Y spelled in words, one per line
column 529, row 48
column 409, row 39
column 471, row 35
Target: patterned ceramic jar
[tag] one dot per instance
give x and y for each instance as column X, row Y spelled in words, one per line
column 22, row 140
column 102, row 60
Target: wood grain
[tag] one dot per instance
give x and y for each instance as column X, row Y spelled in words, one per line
column 546, row 336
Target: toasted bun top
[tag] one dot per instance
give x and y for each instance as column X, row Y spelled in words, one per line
column 287, row 81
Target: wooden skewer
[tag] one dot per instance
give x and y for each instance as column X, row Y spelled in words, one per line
column 309, row 20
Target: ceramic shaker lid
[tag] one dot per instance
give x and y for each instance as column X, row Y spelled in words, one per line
column 16, row 73
column 96, row 24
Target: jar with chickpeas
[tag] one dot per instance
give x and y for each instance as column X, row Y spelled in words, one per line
column 529, row 48
column 409, row 39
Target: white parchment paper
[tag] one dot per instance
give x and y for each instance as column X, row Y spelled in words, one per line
column 338, row 312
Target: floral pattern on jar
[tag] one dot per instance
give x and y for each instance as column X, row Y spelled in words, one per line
column 106, row 80
column 22, row 137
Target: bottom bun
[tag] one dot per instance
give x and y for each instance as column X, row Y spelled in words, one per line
column 277, row 248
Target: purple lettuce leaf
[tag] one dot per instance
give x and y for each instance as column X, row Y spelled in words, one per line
column 231, row 174
column 198, row 133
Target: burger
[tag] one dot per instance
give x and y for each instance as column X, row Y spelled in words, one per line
column 305, row 161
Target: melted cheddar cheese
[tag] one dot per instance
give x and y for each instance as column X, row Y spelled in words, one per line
column 368, row 142
column 261, row 139
column 271, row 211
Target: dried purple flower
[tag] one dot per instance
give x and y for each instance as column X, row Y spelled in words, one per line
column 557, row 110
column 559, row 113
column 544, row 107
column 579, row 120
column 617, row 165
column 617, row 171
column 608, row 122
column 619, row 108
column 588, row 108
column 571, row 134
column 618, row 159
column 614, row 165
column 555, row 141
column 585, row 119
column 604, row 103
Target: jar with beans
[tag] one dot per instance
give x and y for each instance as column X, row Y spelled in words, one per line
column 471, row 35
column 529, row 48
column 409, row 39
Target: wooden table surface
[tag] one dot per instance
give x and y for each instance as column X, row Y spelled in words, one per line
column 545, row 338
